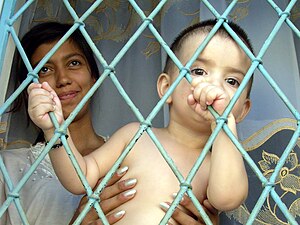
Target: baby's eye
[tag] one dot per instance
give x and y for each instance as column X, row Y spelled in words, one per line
column 233, row 82
column 198, row 72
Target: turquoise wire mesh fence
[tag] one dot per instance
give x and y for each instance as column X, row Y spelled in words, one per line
column 8, row 18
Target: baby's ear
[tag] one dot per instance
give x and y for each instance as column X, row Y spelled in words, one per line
column 245, row 110
column 163, row 84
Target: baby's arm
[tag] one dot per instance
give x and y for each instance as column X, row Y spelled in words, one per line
column 227, row 182
column 42, row 99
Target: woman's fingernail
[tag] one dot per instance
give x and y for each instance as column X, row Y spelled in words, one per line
column 122, row 171
column 164, row 206
column 130, row 193
column 119, row 214
column 130, row 182
column 174, row 196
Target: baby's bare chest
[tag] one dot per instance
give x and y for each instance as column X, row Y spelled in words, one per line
column 157, row 181
column 160, row 174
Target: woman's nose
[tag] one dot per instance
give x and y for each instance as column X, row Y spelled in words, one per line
column 62, row 77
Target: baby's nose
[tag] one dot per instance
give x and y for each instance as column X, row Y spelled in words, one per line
column 216, row 81
column 198, row 80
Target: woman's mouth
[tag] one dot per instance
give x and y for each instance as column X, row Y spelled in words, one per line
column 67, row 95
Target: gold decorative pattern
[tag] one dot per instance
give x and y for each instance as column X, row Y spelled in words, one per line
column 240, row 11
column 3, row 126
column 104, row 25
column 262, row 135
column 287, row 183
column 13, row 144
column 287, row 177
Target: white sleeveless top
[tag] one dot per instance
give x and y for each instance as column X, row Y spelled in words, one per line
column 44, row 199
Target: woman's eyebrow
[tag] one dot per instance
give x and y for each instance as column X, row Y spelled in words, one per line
column 64, row 58
column 73, row 55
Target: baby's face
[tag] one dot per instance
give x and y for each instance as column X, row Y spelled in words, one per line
column 222, row 63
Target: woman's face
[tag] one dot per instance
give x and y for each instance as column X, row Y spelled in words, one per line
column 67, row 72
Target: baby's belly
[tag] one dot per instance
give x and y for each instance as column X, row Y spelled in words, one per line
column 142, row 213
column 144, row 208
column 156, row 184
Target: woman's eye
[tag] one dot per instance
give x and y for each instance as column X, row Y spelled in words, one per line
column 74, row 63
column 44, row 70
column 198, row 72
column 232, row 82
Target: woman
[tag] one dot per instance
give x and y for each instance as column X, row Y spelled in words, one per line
column 72, row 70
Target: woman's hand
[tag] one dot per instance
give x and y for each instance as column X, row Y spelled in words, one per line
column 187, row 214
column 115, row 194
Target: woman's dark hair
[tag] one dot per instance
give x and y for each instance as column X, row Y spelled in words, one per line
column 45, row 33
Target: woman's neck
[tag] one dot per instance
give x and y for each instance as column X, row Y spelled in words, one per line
column 84, row 136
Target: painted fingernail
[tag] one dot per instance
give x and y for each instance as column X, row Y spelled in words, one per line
column 174, row 196
column 130, row 193
column 130, row 182
column 119, row 214
column 122, row 171
column 164, row 206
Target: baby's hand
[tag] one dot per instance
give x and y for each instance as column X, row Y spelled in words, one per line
column 42, row 99
column 205, row 94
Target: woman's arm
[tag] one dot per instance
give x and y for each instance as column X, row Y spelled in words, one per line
column 114, row 195
column 187, row 214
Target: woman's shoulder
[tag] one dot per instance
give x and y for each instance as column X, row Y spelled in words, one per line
column 20, row 152
column 23, row 158
column 15, row 152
